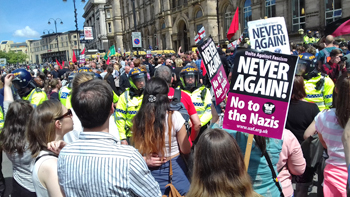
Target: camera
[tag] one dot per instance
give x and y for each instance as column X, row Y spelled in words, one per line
column 343, row 58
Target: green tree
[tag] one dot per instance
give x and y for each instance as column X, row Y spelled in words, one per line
column 16, row 57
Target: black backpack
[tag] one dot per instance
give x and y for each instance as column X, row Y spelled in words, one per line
column 176, row 105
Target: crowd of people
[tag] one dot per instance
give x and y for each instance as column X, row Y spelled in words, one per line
column 150, row 126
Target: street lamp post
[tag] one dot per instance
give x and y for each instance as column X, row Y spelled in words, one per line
column 76, row 22
column 55, row 21
column 135, row 26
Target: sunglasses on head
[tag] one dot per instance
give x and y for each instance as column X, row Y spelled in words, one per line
column 69, row 113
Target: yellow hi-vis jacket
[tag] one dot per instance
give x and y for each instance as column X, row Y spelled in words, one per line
column 36, row 97
column 202, row 103
column 64, row 95
column 125, row 111
column 1, row 118
column 323, row 97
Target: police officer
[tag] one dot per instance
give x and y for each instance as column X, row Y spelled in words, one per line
column 319, row 87
column 308, row 39
column 26, row 88
column 130, row 102
column 64, row 95
column 200, row 95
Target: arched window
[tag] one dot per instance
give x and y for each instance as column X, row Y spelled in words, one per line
column 247, row 11
column 228, row 18
column 199, row 13
column 163, row 25
column 270, row 8
column 333, row 10
column 298, row 12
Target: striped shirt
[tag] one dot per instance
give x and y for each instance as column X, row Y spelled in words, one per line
column 96, row 165
column 327, row 125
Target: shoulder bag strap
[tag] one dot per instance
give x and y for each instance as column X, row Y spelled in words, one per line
column 275, row 179
column 169, row 133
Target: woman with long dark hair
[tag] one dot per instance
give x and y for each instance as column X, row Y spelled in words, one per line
column 213, row 173
column 330, row 126
column 14, row 143
column 151, row 128
column 110, row 79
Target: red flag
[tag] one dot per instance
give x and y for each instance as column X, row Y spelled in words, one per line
column 203, row 68
column 83, row 52
column 62, row 64
column 107, row 61
column 58, row 64
column 234, row 25
column 74, row 59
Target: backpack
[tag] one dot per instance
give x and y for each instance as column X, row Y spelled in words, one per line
column 176, row 105
column 327, row 56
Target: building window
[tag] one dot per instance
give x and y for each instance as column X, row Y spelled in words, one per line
column 74, row 36
column 75, row 42
column 62, row 44
column 108, row 14
column 61, row 38
column 109, row 27
column 333, row 10
column 164, row 41
column 247, row 12
column 228, row 19
column 163, row 26
column 199, row 14
column 66, row 43
column 270, row 8
column 298, row 11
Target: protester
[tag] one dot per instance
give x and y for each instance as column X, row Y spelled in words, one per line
column 14, row 143
column 151, row 128
column 324, row 55
column 124, row 80
column 110, row 79
column 259, row 170
column 92, row 102
column 50, row 121
column 330, row 125
column 301, row 113
column 214, row 174
column 166, row 74
column 291, row 162
column 55, row 86
column 335, row 66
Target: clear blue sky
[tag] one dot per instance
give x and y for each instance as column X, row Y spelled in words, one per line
column 21, row 20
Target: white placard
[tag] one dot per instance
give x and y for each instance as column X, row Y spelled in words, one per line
column 269, row 35
column 88, row 33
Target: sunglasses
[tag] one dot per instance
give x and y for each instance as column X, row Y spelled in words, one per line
column 69, row 113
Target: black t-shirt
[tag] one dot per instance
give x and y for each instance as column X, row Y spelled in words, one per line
column 53, row 96
column 54, row 74
column 300, row 116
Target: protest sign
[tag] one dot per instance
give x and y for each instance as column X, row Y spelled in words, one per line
column 82, row 59
column 259, row 93
column 215, row 70
column 269, row 35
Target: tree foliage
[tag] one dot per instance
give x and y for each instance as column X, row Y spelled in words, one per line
column 14, row 57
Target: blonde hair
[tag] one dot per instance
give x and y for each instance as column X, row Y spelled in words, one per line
column 41, row 125
column 81, row 78
column 178, row 62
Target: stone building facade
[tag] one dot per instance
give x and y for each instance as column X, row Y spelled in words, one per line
column 47, row 50
column 104, row 16
column 168, row 24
